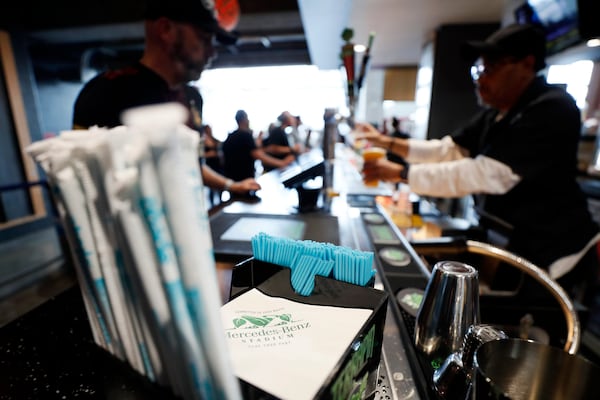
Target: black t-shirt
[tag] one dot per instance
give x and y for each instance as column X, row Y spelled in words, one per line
column 538, row 140
column 277, row 136
column 104, row 98
column 237, row 155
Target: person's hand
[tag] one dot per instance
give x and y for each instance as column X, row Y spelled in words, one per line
column 382, row 169
column 297, row 148
column 259, row 139
column 365, row 131
column 245, row 186
column 290, row 158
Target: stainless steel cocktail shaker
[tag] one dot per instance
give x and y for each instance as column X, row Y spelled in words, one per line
column 450, row 306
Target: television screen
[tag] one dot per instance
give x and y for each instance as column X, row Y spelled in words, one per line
column 559, row 18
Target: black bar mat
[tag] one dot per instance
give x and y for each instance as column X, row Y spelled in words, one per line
column 317, row 227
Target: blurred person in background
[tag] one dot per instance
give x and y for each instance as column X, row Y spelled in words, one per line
column 240, row 152
column 517, row 156
column 213, row 157
column 397, row 132
column 277, row 144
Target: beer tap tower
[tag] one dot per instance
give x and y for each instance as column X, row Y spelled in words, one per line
column 331, row 116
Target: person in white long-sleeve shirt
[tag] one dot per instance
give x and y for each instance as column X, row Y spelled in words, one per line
column 517, row 157
column 441, row 168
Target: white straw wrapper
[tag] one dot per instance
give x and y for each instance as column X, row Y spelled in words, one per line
column 153, row 212
column 120, row 306
column 53, row 155
column 132, row 203
column 75, row 205
column 174, row 150
column 145, row 274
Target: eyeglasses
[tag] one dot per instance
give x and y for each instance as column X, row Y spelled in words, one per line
column 203, row 36
column 206, row 38
column 481, row 67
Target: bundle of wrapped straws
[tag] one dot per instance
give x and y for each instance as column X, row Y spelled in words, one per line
column 132, row 203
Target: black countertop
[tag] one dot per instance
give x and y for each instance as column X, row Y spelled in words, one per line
column 49, row 353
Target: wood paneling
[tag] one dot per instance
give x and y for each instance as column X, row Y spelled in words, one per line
column 400, row 84
column 19, row 117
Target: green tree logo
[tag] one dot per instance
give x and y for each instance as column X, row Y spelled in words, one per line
column 252, row 322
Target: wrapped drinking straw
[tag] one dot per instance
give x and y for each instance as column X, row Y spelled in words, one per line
column 84, row 149
column 120, row 306
column 143, row 268
column 198, row 383
column 94, row 162
column 174, row 153
column 155, row 289
column 110, row 164
column 131, row 159
column 91, row 177
column 53, row 155
column 75, row 205
column 200, row 272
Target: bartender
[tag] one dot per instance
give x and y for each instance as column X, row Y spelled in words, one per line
column 517, row 156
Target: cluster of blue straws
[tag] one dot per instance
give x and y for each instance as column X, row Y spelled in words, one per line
column 307, row 258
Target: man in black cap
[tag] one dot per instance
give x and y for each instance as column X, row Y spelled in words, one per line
column 518, row 156
column 179, row 38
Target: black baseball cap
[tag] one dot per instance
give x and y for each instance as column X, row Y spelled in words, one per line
column 200, row 13
column 517, row 40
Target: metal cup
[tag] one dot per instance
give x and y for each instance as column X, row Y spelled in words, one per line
column 450, row 306
column 518, row 369
column 454, row 378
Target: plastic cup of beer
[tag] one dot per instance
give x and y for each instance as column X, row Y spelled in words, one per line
column 372, row 154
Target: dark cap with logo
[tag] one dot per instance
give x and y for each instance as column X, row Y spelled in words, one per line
column 200, row 13
column 516, row 40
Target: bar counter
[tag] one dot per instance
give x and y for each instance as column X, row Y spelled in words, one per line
column 339, row 218
column 49, row 351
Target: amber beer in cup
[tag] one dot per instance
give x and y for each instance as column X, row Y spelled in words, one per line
column 372, row 154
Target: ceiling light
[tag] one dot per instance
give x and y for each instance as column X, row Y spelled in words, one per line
column 266, row 42
column 593, row 42
column 359, row 48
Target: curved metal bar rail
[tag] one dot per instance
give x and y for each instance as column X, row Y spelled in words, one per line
column 573, row 339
